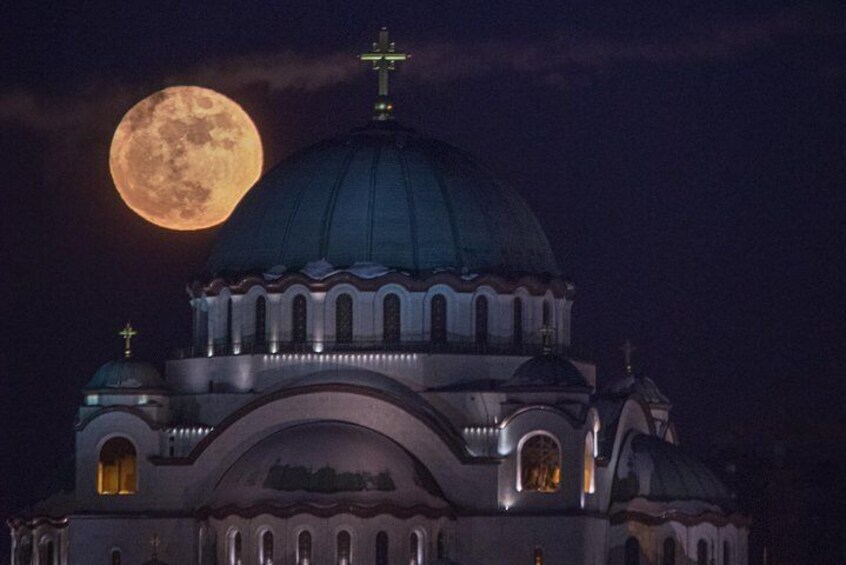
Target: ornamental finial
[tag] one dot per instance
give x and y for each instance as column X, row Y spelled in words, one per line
column 384, row 57
column 127, row 333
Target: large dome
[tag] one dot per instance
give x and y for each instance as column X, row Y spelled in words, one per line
column 383, row 194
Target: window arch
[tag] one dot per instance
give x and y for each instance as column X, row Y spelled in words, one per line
column 632, row 551
column 589, row 483
column 482, row 320
column 344, row 319
column 702, row 552
column 539, row 463
column 116, row 468
column 546, row 317
column 304, row 548
column 382, row 548
column 416, row 549
column 669, row 557
column 517, row 323
column 115, row 560
column 228, row 321
column 260, row 330
column 440, row 549
column 266, row 548
column 726, row 553
column 236, row 550
column 344, row 547
column 47, row 553
column 391, row 319
column 439, row 319
column 299, row 319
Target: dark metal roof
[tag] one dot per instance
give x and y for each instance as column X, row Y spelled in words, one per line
column 126, row 374
column 383, row 194
column 635, row 383
column 546, row 371
column 659, row 470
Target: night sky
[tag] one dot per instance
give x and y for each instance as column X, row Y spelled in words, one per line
column 686, row 160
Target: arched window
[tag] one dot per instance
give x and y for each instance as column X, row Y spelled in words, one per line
column 47, row 553
column 546, row 317
column 201, row 333
column 344, row 547
column 632, row 552
column 538, row 558
column 266, row 556
column 261, row 321
column 482, row 320
column 391, row 319
column 228, row 321
column 726, row 553
column 344, row 319
column 702, row 552
column 382, row 548
column 440, row 549
column 589, row 485
column 439, row 319
column 299, row 319
column 416, row 549
column 236, row 553
column 669, row 551
column 115, row 557
column 540, row 464
column 116, row 472
column 517, row 323
column 304, row 548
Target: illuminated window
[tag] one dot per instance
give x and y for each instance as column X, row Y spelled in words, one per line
column 115, row 557
column 540, row 464
column 669, row 551
column 538, row 560
column 632, row 552
column 304, row 548
column 702, row 552
column 482, row 320
column 391, row 319
column 344, row 547
column 261, row 321
column 590, row 465
column 236, row 552
column 116, row 472
column 382, row 548
column 517, row 327
column 266, row 557
column 299, row 317
column 344, row 319
column 439, row 319
column 726, row 553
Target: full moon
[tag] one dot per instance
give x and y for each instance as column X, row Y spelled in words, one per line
column 183, row 157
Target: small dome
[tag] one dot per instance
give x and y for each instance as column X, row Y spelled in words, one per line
column 126, row 374
column 654, row 469
column 383, row 195
column 546, row 371
column 326, row 464
column 633, row 383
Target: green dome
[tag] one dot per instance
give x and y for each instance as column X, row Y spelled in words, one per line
column 126, row 374
column 385, row 195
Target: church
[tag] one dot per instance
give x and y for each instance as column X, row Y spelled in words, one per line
column 380, row 373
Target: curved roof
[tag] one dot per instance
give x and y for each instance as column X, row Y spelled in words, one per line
column 654, row 469
column 326, row 464
column 633, row 383
column 546, row 371
column 126, row 374
column 382, row 195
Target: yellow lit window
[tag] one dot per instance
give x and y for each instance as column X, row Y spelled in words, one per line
column 116, row 469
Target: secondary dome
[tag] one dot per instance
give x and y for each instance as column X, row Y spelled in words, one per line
column 126, row 374
column 546, row 371
column 383, row 194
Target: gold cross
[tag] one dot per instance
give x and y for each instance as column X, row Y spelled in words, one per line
column 627, row 350
column 127, row 333
column 384, row 58
column 546, row 337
